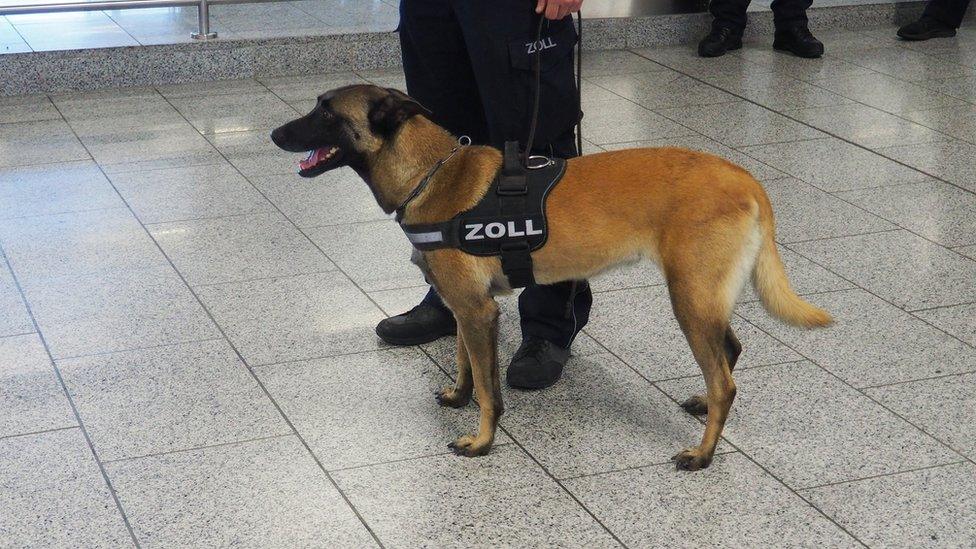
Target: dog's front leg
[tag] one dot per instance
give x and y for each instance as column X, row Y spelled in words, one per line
column 460, row 394
column 478, row 328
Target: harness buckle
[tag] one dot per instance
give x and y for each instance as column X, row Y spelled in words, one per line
column 512, row 185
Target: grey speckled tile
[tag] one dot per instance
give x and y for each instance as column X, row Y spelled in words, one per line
column 602, row 63
column 189, row 395
column 54, row 188
column 235, row 112
column 871, row 342
column 740, row 124
column 968, row 251
column 800, row 208
column 256, row 494
column 32, row 399
column 933, row 209
column 906, row 64
column 189, row 192
column 950, row 160
column 616, row 121
column 805, row 276
column 253, row 153
column 26, row 108
column 333, row 198
column 442, row 501
column 600, row 417
column 294, row 318
column 866, row 125
column 930, row 508
column 14, row 319
column 887, row 93
column 375, row 255
column 38, row 142
column 943, row 407
column 959, row 321
column 661, row 90
column 54, row 495
column 850, row 167
column 959, row 122
column 654, row 506
column 150, row 148
column 635, row 275
column 905, row 269
column 360, row 425
column 758, row 170
column 308, row 87
column 104, row 313
column 228, row 249
column 685, row 58
column 208, row 89
column 809, row 70
column 795, row 420
column 638, row 325
column 778, row 90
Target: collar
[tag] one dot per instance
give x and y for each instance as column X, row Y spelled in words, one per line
column 463, row 141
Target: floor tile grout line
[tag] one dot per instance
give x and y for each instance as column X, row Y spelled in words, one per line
column 123, row 29
column 897, row 228
column 75, row 412
column 638, row 467
column 406, row 459
column 738, row 369
column 320, row 357
column 937, row 307
column 919, row 380
column 266, row 278
column 134, row 349
column 884, row 475
column 41, row 432
column 198, row 448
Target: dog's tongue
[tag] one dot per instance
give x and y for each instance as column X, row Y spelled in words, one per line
column 314, row 158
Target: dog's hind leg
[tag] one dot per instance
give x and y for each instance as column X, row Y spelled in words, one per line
column 698, row 404
column 460, row 394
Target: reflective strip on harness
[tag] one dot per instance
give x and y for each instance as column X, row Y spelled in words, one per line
column 431, row 237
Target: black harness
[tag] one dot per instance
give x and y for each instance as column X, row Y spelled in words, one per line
column 510, row 221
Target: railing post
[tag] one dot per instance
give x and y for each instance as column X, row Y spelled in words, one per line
column 203, row 18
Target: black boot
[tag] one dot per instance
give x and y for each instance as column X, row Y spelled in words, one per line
column 719, row 41
column 422, row 324
column 537, row 364
column 926, row 28
column 799, row 41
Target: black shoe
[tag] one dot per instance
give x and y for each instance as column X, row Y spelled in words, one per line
column 799, row 41
column 925, row 28
column 719, row 41
column 537, row 364
column 422, row 324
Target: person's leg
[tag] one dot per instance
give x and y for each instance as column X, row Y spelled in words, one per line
column 792, row 29
column 789, row 13
column 728, row 23
column 940, row 19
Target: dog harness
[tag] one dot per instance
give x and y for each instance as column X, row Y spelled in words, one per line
column 510, row 221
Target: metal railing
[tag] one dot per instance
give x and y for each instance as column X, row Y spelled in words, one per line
column 203, row 9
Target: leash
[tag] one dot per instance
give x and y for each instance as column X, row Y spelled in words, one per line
column 462, row 141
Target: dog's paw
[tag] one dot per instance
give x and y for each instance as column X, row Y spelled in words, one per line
column 469, row 446
column 696, row 405
column 451, row 398
column 691, row 459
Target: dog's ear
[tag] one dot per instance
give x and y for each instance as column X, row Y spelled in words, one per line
column 387, row 114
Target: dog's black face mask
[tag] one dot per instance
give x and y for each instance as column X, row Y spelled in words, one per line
column 347, row 126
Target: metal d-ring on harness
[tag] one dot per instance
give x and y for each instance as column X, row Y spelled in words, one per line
column 462, row 141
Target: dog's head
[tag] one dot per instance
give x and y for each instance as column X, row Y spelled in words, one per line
column 347, row 127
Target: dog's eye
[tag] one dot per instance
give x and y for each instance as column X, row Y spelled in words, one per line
column 326, row 114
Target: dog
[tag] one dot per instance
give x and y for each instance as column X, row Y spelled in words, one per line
column 706, row 222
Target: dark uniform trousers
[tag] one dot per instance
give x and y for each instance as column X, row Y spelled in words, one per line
column 947, row 12
column 732, row 13
column 471, row 63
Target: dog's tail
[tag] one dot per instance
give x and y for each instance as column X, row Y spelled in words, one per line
column 769, row 279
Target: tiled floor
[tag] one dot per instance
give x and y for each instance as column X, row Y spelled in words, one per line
column 187, row 354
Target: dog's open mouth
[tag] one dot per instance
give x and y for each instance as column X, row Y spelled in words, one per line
column 319, row 161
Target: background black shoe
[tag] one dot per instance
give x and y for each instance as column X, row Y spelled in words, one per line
column 925, row 28
column 537, row 364
column 799, row 41
column 422, row 324
column 719, row 41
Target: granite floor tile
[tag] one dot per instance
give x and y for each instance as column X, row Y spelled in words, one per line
column 935, row 210
column 943, row 407
column 635, row 275
column 758, row 170
column 888, row 93
column 189, row 395
column 375, row 255
column 625, row 121
column 638, row 326
column 805, row 276
column 603, row 63
column 253, row 153
column 905, row 269
column 27, row 108
column 392, row 77
column 962, row 87
column 294, row 318
column 14, row 319
column 85, row 315
column 53, row 494
column 800, row 207
column 795, row 420
column 97, row 242
column 96, row 33
column 229, row 249
column 32, row 399
column 308, row 87
column 207, row 89
column 189, row 192
column 54, row 188
column 39, row 142
column 235, row 112
column 661, row 90
column 685, row 58
column 395, row 417
column 741, row 124
column 778, row 91
column 906, row 64
column 968, row 251
column 850, row 167
column 442, row 501
column 733, row 503
column 600, row 417
column 108, row 103
column 257, row 494
column 151, row 148
column 333, row 198
column 949, row 160
column 95, row 125
column 866, row 126
column 959, row 122
column 870, row 342
column 808, row 70
column 959, row 320
column 928, row 508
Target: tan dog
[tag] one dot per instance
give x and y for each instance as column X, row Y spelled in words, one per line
column 706, row 222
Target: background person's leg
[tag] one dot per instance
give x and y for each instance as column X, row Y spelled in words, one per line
column 728, row 23
column 792, row 29
column 947, row 12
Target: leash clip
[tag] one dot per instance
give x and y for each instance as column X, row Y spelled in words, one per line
column 537, row 162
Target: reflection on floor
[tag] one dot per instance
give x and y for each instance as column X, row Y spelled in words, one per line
column 188, row 358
